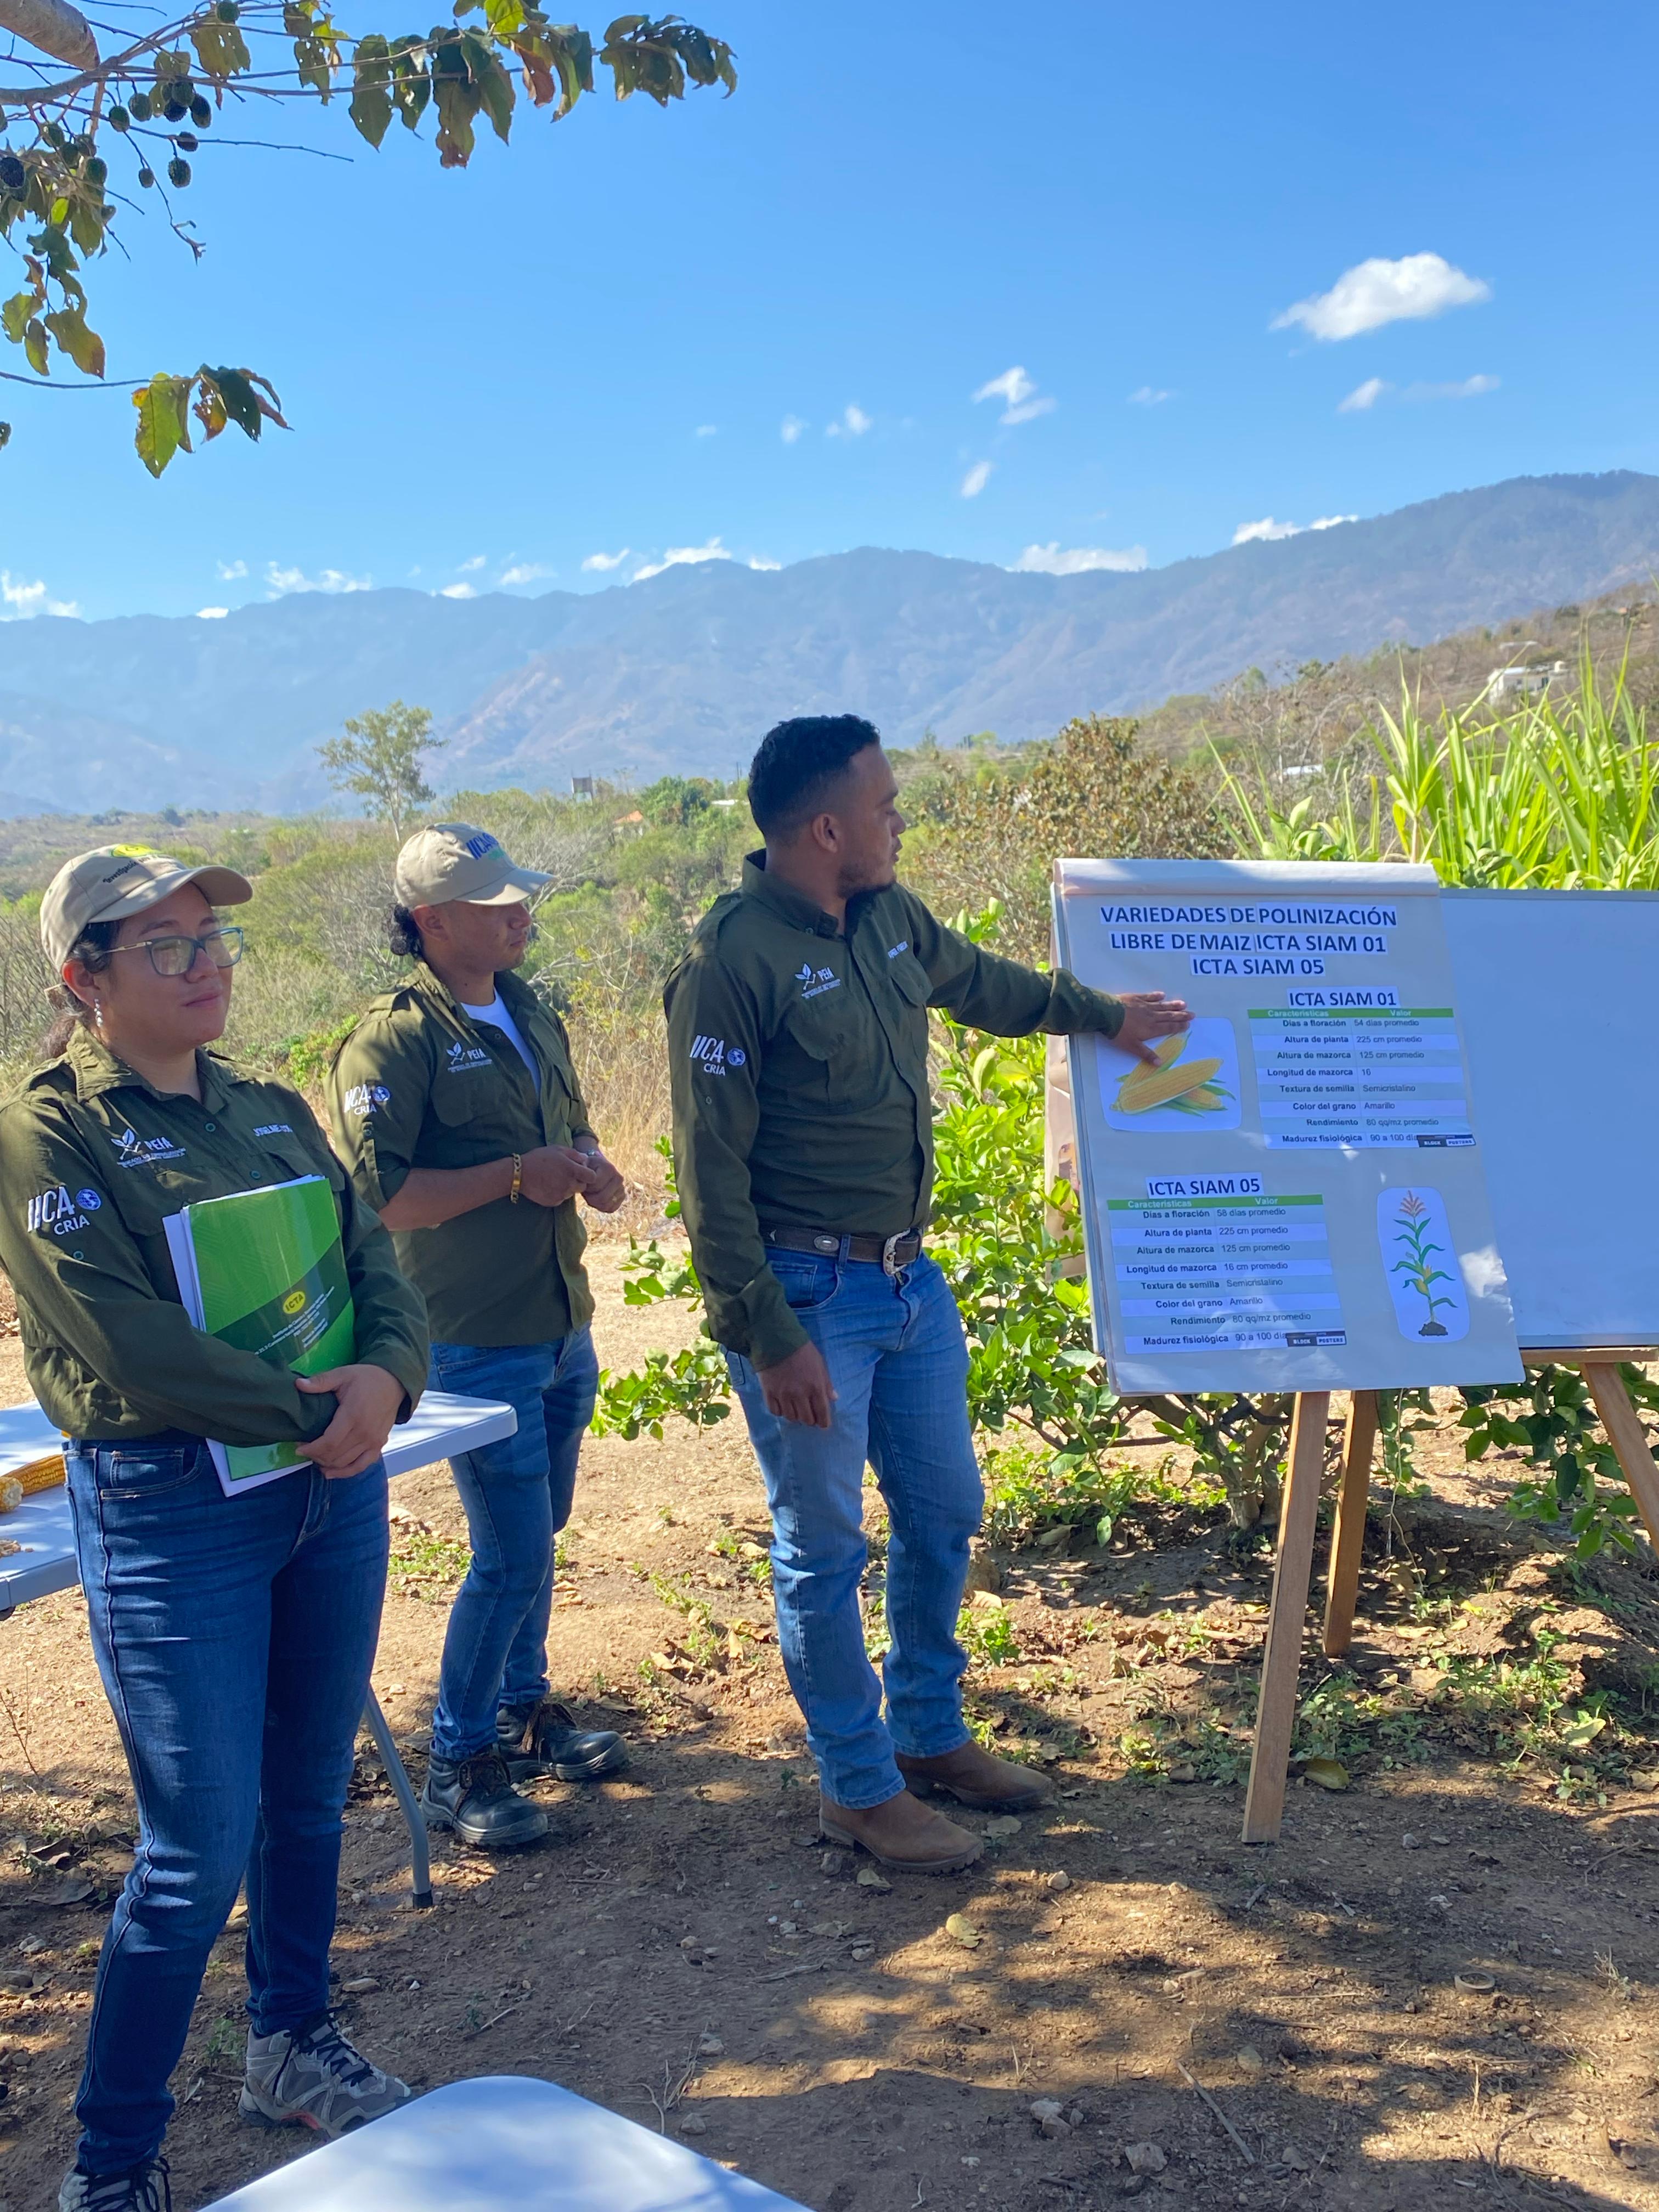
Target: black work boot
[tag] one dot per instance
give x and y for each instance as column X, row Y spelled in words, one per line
column 475, row 1798
column 545, row 1739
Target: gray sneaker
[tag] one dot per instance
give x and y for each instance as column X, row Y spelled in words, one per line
column 314, row 2078
column 138, row 2189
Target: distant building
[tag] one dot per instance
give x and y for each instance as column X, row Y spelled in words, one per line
column 581, row 786
column 1531, row 682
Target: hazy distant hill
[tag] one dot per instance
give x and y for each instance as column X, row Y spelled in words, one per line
column 686, row 670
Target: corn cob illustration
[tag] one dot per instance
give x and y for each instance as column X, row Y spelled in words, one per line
column 1161, row 1087
column 1187, row 1085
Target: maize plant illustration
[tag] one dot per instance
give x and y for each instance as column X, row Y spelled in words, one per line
column 1418, row 1267
column 1187, row 1085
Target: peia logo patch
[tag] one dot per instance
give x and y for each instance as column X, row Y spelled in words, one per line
column 132, row 1150
column 815, row 982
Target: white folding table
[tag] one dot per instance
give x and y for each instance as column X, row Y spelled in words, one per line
column 440, row 1425
column 504, row 2140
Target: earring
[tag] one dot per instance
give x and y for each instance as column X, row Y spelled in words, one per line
column 98, row 1013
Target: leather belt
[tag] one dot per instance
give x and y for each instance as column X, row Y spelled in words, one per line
column 890, row 1253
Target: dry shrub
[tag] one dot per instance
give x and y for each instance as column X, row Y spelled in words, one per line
column 1091, row 793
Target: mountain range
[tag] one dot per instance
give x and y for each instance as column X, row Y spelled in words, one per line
column 685, row 671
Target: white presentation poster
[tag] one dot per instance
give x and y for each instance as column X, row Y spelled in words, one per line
column 1293, row 1199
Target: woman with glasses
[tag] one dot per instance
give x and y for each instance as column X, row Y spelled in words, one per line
column 234, row 1635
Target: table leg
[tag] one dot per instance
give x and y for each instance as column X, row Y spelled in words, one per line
column 1629, row 1439
column 404, row 1789
column 1348, row 1540
column 1275, row 1720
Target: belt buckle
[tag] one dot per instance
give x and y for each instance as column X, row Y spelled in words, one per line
column 889, row 1266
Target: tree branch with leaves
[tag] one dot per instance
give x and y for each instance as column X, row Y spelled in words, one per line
column 149, row 104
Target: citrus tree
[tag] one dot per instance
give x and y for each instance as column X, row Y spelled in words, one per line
column 86, row 135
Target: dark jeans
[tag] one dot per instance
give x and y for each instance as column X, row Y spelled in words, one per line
column 234, row 1635
column 517, row 1494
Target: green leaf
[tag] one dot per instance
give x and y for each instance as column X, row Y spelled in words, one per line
column 371, row 99
column 37, row 345
column 84, row 347
column 5, row 436
column 220, row 47
column 16, row 314
column 163, row 420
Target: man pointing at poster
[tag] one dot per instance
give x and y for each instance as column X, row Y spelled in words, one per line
column 803, row 1140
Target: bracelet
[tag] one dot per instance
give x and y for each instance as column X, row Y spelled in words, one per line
column 518, row 1180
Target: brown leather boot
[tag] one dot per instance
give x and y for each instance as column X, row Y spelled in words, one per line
column 903, row 1833
column 973, row 1778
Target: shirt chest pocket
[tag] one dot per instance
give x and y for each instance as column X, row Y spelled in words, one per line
column 912, row 987
column 835, row 1056
column 482, row 1114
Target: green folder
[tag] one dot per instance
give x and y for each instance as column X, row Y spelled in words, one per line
column 263, row 1270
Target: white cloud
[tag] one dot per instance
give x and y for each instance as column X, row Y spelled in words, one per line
column 1019, row 392
column 1248, row 533
column 457, row 592
column 760, row 561
column 211, row 614
column 976, row 479
column 1269, row 532
column 790, row 429
column 708, row 429
column 1148, row 396
column 1079, row 559
column 851, row 422
column 1375, row 292
column 466, row 567
column 231, row 572
column 605, row 562
column 681, row 556
column 1364, row 395
column 21, row 601
column 1472, row 388
column 327, row 579
column 527, row 572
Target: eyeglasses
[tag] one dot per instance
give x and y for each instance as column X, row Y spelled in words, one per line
column 176, row 956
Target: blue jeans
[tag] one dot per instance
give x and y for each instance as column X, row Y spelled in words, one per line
column 897, row 1359
column 517, row 1494
column 234, row 1635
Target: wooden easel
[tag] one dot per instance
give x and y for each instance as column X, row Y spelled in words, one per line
column 1264, row 1802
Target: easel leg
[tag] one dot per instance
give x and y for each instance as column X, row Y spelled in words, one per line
column 1629, row 1439
column 1342, row 1587
column 1275, row 1720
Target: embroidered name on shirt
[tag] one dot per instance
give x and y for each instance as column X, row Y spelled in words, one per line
column 894, row 951
column 276, row 1128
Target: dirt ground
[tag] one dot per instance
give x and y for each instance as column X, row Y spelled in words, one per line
column 1216, row 2025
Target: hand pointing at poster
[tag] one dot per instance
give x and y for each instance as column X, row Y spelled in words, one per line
column 1147, row 1015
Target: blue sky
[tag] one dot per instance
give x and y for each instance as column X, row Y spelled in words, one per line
column 597, row 338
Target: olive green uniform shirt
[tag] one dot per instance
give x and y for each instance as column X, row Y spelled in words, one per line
column 418, row 1083
column 798, row 1056
column 92, row 1158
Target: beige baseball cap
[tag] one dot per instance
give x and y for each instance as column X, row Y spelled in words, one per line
column 454, row 861
column 119, row 880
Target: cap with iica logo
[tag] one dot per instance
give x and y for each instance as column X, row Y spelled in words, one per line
column 118, row 881
column 454, row 861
